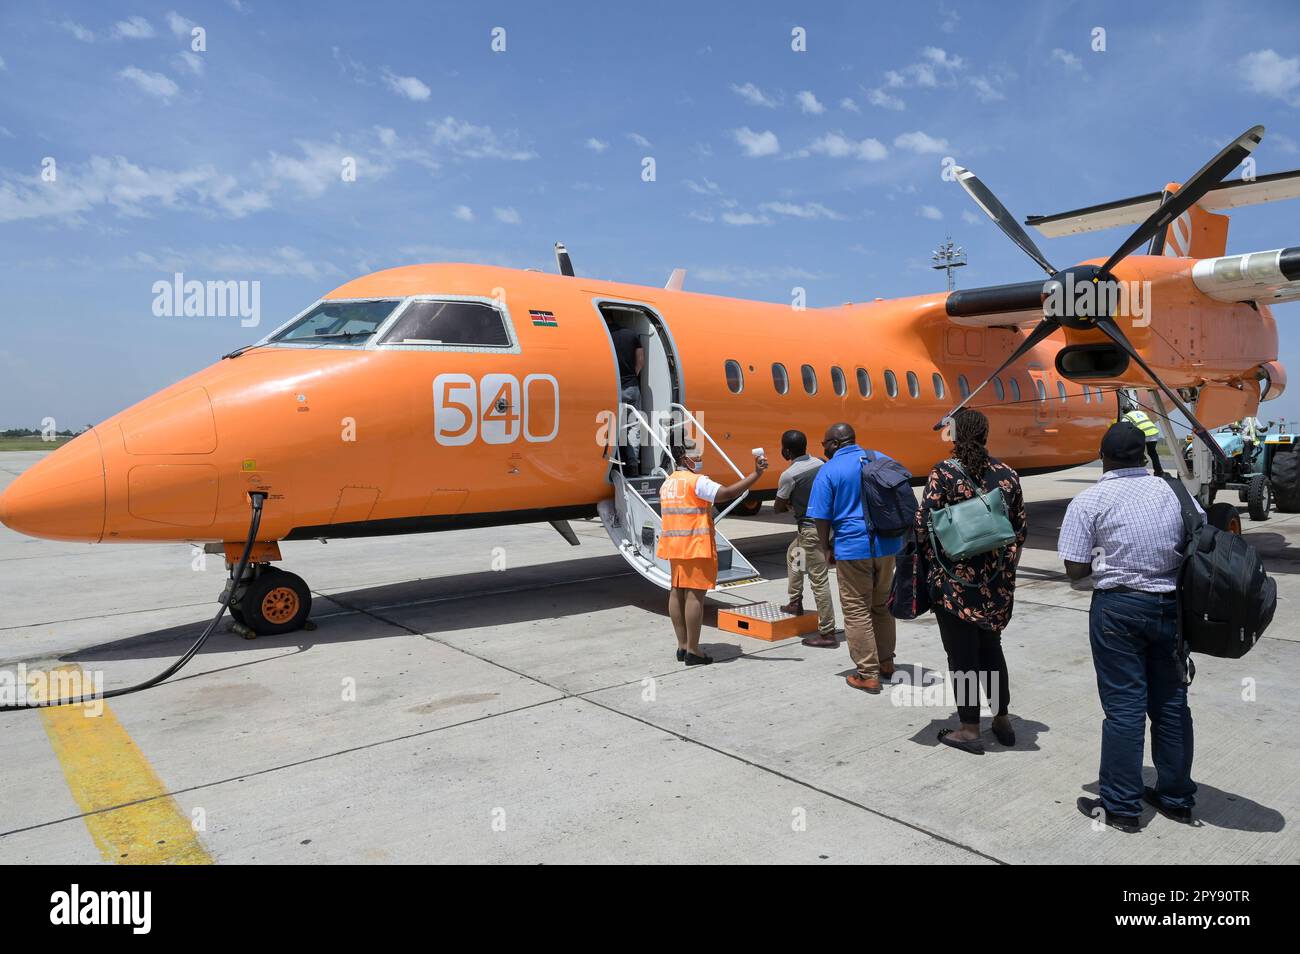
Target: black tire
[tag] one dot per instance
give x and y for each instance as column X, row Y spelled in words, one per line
column 1224, row 516
column 276, row 602
column 1259, row 497
column 1286, row 480
column 747, row 507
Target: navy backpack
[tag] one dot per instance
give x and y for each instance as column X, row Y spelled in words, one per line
column 888, row 501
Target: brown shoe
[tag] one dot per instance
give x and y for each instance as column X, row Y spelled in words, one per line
column 821, row 641
column 794, row 609
column 866, row 683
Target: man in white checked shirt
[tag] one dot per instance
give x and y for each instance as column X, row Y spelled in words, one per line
column 1126, row 532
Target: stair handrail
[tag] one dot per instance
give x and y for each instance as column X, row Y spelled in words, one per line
column 709, row 437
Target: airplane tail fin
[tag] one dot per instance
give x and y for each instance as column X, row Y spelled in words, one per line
column 1200, row 232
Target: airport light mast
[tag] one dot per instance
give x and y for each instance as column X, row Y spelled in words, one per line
column 948, row 256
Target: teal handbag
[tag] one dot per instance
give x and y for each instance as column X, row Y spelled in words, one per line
column 971, row 527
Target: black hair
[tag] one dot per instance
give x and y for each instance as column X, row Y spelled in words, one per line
column 796, row 442
column 970, row 439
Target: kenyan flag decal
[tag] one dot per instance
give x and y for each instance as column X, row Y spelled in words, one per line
column 543, row 319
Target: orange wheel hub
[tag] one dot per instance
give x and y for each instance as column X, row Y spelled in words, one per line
column 280, row 605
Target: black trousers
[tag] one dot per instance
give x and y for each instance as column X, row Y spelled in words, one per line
column 974, row 659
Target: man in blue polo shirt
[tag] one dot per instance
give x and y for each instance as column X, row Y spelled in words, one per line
column 864, row 562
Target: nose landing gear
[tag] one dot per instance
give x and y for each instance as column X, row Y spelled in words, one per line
column 270, row 601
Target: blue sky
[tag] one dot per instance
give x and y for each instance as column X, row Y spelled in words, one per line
column 773, row 168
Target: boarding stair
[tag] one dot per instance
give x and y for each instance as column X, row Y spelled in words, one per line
column 632, row 517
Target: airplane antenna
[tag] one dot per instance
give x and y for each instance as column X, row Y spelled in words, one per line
column 948, row 256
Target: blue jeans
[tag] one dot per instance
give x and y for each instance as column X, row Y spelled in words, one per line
column 1134, row 640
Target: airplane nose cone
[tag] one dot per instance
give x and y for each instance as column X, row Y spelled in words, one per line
column 61, row 497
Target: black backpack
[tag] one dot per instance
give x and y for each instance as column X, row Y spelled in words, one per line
column 888, row 502
column 1225, row 599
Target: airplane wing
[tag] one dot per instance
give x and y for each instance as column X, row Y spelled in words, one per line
column 1228, row 195
column 1266, row 277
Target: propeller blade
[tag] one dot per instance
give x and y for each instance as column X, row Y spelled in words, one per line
column 1041, row 330
column 1112, row 331
column 1205, row 179
column 1004, row 220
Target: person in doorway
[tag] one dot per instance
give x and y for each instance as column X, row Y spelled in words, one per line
column 686, row 540
column 804, row 556
column 972, row 598
column 631, row 360
column 864, row 560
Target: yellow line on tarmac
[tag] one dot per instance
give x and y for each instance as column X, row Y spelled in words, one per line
column 104, row 767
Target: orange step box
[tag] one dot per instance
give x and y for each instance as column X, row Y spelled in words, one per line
column 765, row 621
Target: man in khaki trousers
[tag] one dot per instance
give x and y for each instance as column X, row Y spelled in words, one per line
column 864, row 562
column 804, row 557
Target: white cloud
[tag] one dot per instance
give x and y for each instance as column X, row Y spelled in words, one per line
column 809, row 210
column 848, row 103
column 949, row 19
column 128, row 189
column 639, row 140
column 706, row 188
column 1270, row 74
column 754, row 96
column 747, row 275
column 930, row 212
column 507, row 215
column 468, row 141
column 838, row 146
column 133, row 28
column 970, row 218
column 809, row 104
column 878, row 97
column 920, row 143
column 79, row 31
column 596, row 145
column 319, row 166
column 4, row 132
column 190, row 61
column 757, row 144
column 1067, row 59
column 179, row 25
column 464, row 213
column 387, row 137
column 2, row 64
column 745, row 218
column 235, row 260
column 154, row 84
column 407, row 86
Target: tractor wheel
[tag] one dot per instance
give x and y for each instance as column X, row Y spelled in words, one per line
column 277, row 601
column 1259, row 497
column 1286, row 480
column 1224, row 516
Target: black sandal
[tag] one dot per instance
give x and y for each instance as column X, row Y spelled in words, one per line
column 681, row 655
column 700, row 660
column 1005, row 737
column 974, row 748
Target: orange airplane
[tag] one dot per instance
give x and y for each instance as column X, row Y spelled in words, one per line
column 443, row 396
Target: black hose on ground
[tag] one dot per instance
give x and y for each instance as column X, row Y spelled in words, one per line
column 257, row 498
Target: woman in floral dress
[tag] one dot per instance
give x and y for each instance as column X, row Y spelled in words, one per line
column 972, row 603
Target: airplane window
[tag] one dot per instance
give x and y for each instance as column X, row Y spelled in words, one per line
column 937, row 381
column 963, row 386
column 999, row 389
column 1060, row 390
column 735, row 378
column 449, row 323
column 891, row 384
column 1087, row 395
column 809, row 378
column 780, row 380
column 1042, row 391
column 837, row 380
column 1015, row 388
column 913, row 385
column 339, row 322
column 864, row 383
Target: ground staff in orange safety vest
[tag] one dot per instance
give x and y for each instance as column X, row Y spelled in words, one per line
column 686, row 542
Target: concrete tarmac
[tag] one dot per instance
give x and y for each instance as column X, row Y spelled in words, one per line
column 446, row 711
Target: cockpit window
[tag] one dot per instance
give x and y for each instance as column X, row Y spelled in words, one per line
column 469, row 323
column 338, row 322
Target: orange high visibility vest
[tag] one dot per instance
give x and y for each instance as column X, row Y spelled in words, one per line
column 687, row 531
